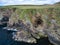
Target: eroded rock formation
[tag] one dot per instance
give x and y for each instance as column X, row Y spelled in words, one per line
column 22, row 31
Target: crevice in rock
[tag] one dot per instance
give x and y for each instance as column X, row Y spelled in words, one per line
column 38, row 21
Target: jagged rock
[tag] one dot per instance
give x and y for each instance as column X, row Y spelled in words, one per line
column 24, row 36
column 37, row 20
column 4, row 21
column 54, row 36
column 23, row 33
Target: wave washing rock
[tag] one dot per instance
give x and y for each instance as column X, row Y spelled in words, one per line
column 21, row 32
column 22, row 36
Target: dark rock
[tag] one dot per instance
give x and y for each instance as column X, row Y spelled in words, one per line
column 5, row 19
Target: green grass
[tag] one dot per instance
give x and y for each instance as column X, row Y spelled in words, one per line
column 30, row 10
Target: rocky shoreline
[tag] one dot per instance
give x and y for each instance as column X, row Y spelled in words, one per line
column 6, row 39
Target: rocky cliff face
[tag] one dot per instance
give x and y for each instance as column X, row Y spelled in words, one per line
column 24, row 30
column 29, row 28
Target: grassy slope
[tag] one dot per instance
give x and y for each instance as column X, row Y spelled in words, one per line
column 45, row 10
column 31, row 6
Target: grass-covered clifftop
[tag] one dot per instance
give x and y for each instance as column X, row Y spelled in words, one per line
column 27, row 11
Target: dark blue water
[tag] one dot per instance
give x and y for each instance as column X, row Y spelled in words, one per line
column 6, row 39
